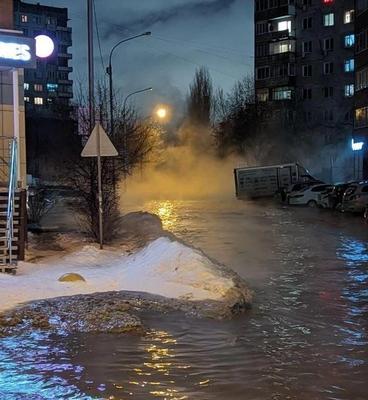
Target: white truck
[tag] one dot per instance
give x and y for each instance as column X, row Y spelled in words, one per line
column 256, row 182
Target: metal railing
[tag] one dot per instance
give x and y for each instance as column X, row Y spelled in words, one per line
column 13, row 180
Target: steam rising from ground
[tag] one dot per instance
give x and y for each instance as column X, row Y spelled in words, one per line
column 185, row 171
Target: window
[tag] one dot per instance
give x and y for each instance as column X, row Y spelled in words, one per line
column 328, row 115
column 362, row 41
column 307, row 47
column 38, row 87
column 26, row 99
column 361, row 117
column 328, row 44
column 262, row 27
column 328, row 68
column 329, row 19
column 24, row 18
column 307, row 70
column 307, row 116
column 52, row 87
column 284, row 46
column 307, row 93
column 349, row 90
column 282, row 93
column 349, row 40
column 263, row 95
column 307, row 23
column 262, row 50
column 38, row 101
column 362, row 79
column 349, row 65
column 307, row 3
column 327, row 91
column 26, row 86
column 284, row 26
column 348, row 16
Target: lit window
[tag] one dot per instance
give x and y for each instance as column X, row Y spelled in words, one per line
column 262, row 95
column 38, row 101
column 348, row 17
column 26, row 86
column 349, row 40
column 361, row 117
column 52, row 87
column 282, row 93
column 329, row 19
column 283, row 46
column 349, row 65
column 38, row 87
column 284, row 26
column 26, row 99
column 349, row 90
column 24, row 18
column 328, row 1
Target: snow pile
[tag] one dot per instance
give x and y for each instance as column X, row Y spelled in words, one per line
column 163, row 267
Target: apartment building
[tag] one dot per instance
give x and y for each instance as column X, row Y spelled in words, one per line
column 48, row 88
column 361, row 82
column 305, row 60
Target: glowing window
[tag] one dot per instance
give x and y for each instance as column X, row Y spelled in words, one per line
column 38, row 101
column 329, row 19
column 348, row 17
column 349, row 65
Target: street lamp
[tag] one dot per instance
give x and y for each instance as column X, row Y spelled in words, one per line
column 109, row 72
column 149, row 89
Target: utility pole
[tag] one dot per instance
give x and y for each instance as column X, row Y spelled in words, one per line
column 91, row 82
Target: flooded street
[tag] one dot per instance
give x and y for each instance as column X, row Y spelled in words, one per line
column 305, row 338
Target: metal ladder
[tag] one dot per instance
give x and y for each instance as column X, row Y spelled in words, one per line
column 8, row 256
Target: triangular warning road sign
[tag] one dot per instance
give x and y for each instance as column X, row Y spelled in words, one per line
column 107, row 149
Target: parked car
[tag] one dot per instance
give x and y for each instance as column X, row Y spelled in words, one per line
column 355, row 198
column 309, row 195
column 334, row 198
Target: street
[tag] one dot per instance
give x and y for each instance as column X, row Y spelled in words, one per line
column 305, row 338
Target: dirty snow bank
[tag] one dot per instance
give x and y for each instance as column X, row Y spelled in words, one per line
column 164, row 267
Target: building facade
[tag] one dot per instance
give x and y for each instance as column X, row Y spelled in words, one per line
column 48, row 89
column 361, row 82
column 305, row 67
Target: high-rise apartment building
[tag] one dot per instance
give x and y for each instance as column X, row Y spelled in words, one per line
column 48, row 88
column 361, row 81
column 305, row 66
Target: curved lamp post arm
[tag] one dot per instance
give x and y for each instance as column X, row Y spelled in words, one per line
column 132, row 94
column 123, row 41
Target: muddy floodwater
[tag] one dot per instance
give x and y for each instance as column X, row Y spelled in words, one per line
column 306, row 337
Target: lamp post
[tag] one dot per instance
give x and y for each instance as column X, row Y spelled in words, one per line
column 109, row 72
column 149, row 89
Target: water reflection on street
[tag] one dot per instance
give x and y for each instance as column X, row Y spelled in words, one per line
column 305, row 338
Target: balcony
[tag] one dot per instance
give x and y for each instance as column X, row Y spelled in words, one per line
column 65, row 69
column 65, row 55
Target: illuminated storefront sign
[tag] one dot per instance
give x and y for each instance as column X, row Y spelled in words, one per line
column 17, row 51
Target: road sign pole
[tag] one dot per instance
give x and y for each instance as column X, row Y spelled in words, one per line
column 100, row 200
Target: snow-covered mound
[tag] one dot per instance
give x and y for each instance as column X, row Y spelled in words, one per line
column 163, row 267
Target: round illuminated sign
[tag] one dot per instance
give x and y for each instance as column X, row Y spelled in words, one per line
column 44, row 46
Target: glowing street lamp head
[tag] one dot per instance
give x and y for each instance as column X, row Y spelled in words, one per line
column 161, row 113
column 44, row 46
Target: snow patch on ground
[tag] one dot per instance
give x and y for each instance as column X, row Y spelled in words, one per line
column 163, row 267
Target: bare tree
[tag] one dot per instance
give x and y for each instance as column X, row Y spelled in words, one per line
column 134, row 141
column 200, row 99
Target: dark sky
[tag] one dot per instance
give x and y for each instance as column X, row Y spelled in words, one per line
column 185, row 34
